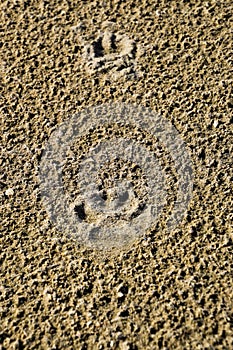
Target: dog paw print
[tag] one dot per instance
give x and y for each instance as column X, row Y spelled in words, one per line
column 111, row 53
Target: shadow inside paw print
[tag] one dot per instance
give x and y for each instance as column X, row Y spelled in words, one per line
column 105, row 45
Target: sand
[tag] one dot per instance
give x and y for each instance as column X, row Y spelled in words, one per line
column 164, row 290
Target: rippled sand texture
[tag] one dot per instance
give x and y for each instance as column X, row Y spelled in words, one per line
column 164, row 291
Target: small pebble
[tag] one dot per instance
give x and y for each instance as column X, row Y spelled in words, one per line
column 9, row 192
column 215, row 123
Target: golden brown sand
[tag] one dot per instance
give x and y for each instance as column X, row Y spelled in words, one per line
column 170, row 291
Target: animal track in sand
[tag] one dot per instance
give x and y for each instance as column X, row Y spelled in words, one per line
column 111, row 53
column 114, row 171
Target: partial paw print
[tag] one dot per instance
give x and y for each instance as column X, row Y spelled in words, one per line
column 112, row 53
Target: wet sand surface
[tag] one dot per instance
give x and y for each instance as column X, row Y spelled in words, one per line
column 165, row 290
